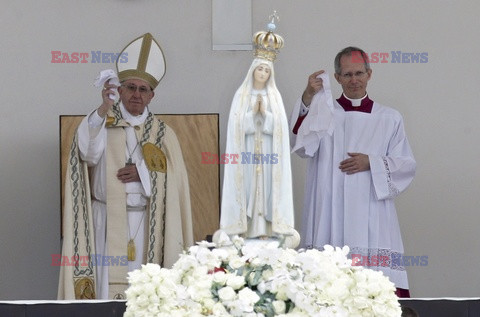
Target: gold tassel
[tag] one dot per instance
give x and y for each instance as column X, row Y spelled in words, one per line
column 131, row 252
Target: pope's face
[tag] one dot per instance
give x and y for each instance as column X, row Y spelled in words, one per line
column 261, row 74
column 353, row 77
column 135, row 95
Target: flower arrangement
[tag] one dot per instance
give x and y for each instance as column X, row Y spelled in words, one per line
column 232, row 278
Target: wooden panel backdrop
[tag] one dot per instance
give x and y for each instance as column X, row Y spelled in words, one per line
column 196, row 133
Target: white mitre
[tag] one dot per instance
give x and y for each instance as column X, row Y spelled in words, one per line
column 145, row 60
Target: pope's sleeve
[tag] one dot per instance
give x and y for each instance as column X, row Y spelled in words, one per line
column 92, row 138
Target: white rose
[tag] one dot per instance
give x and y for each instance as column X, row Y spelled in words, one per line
column 221, row 254
column 227, row 293
column 220, row 277
column 236, row 263
column 248, row 297
column 279, row 306
column 149, row 289
column 199, row 293
column 256, row 262
column 203, row 256
column 360, row 302
column 142, row 301
column 235, row 281
column 134, row 276
column 152, row 269
column 380, row 310
column 238, row 241
column 236, row 308
column 262, row 287
column 267, row 274
column 165, row 292
column 185, row 263
column 205, row 244
column 208, row 303
column 219, row 310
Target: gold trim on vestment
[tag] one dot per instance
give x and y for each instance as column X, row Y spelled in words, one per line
column 133, row 73
column 154, row 158
column 144, row 52
column 109, row 121
column 84, row 288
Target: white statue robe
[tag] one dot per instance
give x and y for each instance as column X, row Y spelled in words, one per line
column 258, row 177
column 356, row 210
column 252, row 188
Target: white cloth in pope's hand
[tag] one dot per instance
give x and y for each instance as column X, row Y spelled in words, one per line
column 106, row 75
column 319, row 120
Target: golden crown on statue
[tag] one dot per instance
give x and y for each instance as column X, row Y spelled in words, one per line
column 267, row 44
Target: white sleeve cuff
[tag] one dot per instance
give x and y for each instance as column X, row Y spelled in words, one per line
column 303, row 109
column 94, row 120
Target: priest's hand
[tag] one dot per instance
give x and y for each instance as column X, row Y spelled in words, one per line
column 107, row 103
column 128, row 174
column 358, row 162
column 313, row 87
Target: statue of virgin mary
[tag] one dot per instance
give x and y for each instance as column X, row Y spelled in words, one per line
column 257, row 200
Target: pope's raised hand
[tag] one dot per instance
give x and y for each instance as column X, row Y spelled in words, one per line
column 107, row 102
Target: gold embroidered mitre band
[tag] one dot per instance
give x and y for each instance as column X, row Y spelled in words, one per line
column 145, row 60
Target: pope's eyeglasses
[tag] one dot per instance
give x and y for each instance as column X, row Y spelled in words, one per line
column 133, row 88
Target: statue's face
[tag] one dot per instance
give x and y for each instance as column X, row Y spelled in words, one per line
column 261, row 74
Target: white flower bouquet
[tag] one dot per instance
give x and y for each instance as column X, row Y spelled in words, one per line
column 254, row 280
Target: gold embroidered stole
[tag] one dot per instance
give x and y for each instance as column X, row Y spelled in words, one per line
column 77, row 272
column 153, row 132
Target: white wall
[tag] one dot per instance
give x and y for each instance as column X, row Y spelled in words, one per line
column 437, row 214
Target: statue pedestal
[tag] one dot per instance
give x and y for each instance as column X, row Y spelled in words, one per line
column 292, row 241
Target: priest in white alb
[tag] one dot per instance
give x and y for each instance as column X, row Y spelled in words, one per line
column 359, row 160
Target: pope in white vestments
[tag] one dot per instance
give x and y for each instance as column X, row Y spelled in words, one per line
column 257, row 189
column 127, row 198
column 359, row 160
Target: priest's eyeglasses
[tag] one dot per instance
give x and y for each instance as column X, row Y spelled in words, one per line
column 358, row 74
column 133, row 88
